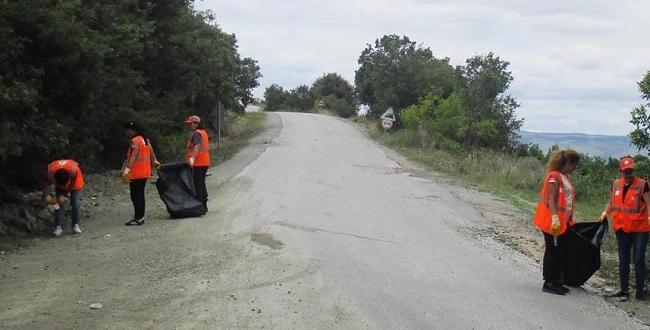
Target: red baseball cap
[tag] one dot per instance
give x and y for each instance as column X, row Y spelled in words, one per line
column 193, row 119
column 627, row 163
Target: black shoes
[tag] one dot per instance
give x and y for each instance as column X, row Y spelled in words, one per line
column 135, row 222
column 562, row 287
column 555, row 288
column 621, row 295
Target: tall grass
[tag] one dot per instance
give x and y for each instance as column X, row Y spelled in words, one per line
column 500, row 172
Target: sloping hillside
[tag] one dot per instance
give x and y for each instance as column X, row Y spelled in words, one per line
column 595, row 145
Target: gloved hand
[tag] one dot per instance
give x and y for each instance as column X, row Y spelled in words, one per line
column 52, row 207
column 190, row 161
column 156, row 164
column 51, row 200
column 603, row 216
column 555, row 225
column 63, row 200
column 125, row 175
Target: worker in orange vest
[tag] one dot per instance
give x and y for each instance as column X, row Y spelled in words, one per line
column 68, row 180
column 554, row 214
column 198, row 156
column 137, row 169
column 627, row 207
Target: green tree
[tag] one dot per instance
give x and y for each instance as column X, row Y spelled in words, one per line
column 336, row 93
column 396, row 73
column 332, row 84
column 640, row 136
column 274, row 98
column 481, row 84
column 248, row 73
column 299, row 99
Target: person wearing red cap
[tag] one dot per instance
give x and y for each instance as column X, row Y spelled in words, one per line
column 627, row 208
column 198, row 156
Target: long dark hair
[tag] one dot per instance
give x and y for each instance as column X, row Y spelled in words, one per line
column 138, row 131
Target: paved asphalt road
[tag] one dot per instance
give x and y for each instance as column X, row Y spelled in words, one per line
column 397, row 250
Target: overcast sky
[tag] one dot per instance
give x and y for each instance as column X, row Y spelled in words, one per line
column 575, row 63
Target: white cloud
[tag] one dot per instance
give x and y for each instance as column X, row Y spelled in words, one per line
column 575, row 63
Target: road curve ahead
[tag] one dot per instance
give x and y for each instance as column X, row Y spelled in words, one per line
column 345, row 237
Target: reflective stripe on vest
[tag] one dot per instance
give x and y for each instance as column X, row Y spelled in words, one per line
column 630, row 213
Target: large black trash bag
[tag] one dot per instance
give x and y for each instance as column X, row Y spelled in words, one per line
column 583, row 251
column 176, row 188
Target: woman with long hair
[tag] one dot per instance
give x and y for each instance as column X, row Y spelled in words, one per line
column 554, row 214
column 137, row 169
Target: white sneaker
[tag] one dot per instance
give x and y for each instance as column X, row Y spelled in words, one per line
column 58, row 231
column 76, row 229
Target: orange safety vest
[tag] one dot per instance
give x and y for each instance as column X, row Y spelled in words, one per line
column 75, row 177
column 141, row 168
column 631, row 214
column 542, row 217
column 203, row 157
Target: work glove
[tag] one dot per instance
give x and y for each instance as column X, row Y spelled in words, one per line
column 603, row 216
column 51, row 200
column 52, row 203
column 62, row 200
column 555, row 225
column 190, row 161
column 125, row 175
column 156, row 164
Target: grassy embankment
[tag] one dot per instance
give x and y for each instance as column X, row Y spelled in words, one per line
column 516, row 180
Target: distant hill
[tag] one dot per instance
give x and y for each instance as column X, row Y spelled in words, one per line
column 604, row 146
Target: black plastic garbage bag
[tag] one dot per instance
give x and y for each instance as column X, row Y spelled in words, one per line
column 583, row 251
column 176, row 188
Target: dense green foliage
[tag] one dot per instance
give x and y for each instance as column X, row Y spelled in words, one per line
column 72, row 72
column 465, row 106
column 476, row 114
column 491, row 120
column 277, row 99
column 335, row 93
column 640, row 136
column 396, row 73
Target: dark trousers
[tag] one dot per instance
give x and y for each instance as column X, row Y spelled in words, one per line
column 198, row 172
column 628, row 243
column 74, row 205
column 554, row 257
column 137, row 197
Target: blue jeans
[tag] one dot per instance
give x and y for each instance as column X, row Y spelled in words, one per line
column 628, row 243
column 74, row 204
